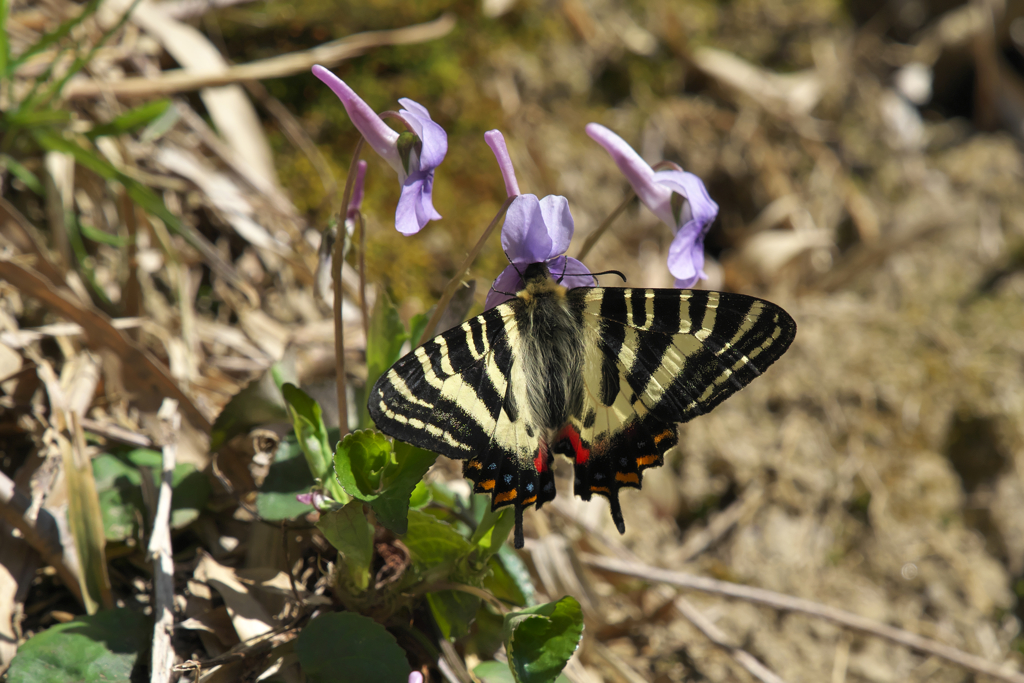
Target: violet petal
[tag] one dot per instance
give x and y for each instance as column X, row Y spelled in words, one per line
column 508, row 282
column 524, row 236
column 431, row 135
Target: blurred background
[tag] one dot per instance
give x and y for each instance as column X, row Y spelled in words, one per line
column 866, row 158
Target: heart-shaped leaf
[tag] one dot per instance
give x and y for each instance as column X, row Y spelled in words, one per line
column 345, row 646
column 101, row 647
column 540, row 640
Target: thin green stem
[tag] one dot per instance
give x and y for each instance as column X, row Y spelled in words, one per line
column 453, row 284
column 361, row 256
column 592, row 238
column 5, row 46
column 337, row 260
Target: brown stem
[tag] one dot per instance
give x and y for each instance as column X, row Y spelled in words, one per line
column 453, row 284
column 337, row 259
column 592, row 238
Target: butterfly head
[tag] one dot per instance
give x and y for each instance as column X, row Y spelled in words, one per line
column 539, row 283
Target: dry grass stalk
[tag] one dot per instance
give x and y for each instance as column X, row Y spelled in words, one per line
column 160, row 551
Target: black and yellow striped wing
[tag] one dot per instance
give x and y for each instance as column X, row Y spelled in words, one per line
column 655, row 358
column 462, row 394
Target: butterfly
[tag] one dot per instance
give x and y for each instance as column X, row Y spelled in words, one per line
column 600, row 375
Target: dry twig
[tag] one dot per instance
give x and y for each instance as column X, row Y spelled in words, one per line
column 160, row 552
column 328, row 54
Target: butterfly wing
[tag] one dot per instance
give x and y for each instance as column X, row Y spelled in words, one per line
column 461, row 394
column 657, row 357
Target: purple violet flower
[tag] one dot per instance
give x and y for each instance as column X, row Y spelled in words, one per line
column 537, row 231
column 415, row 677
column 678, row 198
column 414, row 155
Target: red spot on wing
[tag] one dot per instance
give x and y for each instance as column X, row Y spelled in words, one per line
column 581, row 452
column 540, row 462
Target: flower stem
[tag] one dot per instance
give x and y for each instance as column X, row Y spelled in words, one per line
column 592, row 238
column 362, row 274
column 337, row 259
column 453, row 284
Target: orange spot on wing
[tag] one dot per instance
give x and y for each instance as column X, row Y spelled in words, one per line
column 531, row 499
column 600, row 489
column 505, row 497
column 646, row 460
column 475, row 465
column 667, row 434
column 627, row 477
column 487, row 485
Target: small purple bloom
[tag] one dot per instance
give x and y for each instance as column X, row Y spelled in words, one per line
column 678, row 198
column 415, row 677
column 537, row 231
column 314, row 498
column 413, row 155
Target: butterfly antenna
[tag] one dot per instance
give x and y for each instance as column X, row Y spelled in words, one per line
column 565, row 266
column 610, row 272
column 513, row 264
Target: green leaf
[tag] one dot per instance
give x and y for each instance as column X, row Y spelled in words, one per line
column 498, row 672
column 372, row 469
column 131, row 119
column 432, row 542
column 453, row 611
column 348, row 530
column 360, row 461
column 348, row 646
column 99, row 648
column 258, row 403
column 403, row 474
column 21, row 173
column 540, row 640
column 383, row 346
column 493, row 672
column 311, row 432
column 96, row 235
column 421, row 496
column 287, row 477
column 493, row 531
column 417, row 324
column 502, row 585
